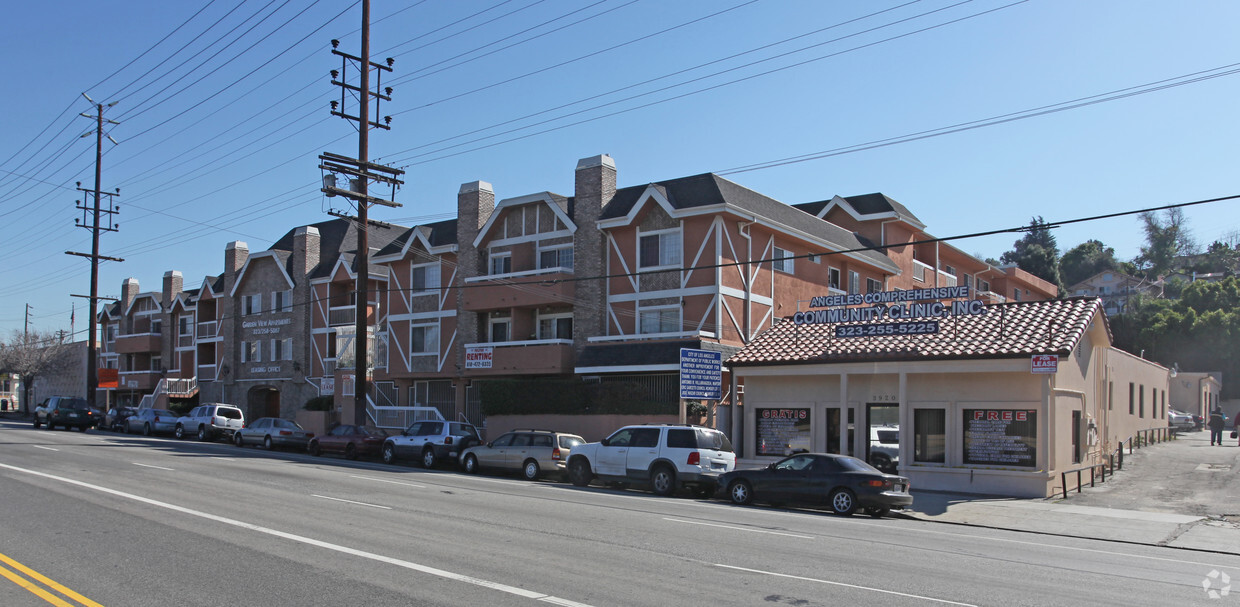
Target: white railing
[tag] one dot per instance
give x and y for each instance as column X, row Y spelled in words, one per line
column 946, row 280
column 555, row 270
column 148, row 400
column 920, row 269
column 180, row 385
column 208, row 329
column 399, row 417
column 524, row 342
column 678, row 334
column 341, row 316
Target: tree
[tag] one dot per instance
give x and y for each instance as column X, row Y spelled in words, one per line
column 1037, row 253
column 1164, row 240
column 1219, row 257
column 34, row 354
column 1085, row 260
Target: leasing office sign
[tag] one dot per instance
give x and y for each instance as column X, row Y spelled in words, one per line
column 920, row 306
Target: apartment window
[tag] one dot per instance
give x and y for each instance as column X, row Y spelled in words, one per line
column 967, row 281
column 930, row 435
column 659, row 320
column 501, row 263
column 424, row 339
column 833, row 278
column 425, row 279
column 251, row 304
column 782, row 260
column 557, row 326
column 873, row 286
column 983, row 285
column 184, row 327
column 157, row 326
column 854, row 283
column 949, row 270
column 157, row 363
column 1132, row 399
column 501, row 327
column 658, row 250
column 251, row 352
column 1141, row 401
column 111, row 331
column 282, row 349
column 1015, row 294
column 560, row 257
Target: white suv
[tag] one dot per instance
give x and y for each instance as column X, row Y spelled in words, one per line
column 668, row 457
column 210, row 421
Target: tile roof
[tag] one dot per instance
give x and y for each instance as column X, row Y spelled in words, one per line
column 1008, row 330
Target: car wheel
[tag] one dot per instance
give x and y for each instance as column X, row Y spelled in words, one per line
column 179, row 432
column 877, row 512
column 203, row 435
column 531, row 470
column 50, row 425
column 37, row 423
column 350, row 451
column 267, row 443
column 146, row 429
column 316, row 451
column 740, row 492
column 843, row 502
column 663, row 481
column 579, row 472
column 428, row 458
column 237, row 440
column 389, row 454
column 470, row 464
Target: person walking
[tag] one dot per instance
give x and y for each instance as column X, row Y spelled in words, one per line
column 1217, row 422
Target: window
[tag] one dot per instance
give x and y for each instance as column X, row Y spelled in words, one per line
column 659, row 320
column 184, row 327
column 930, row 435
column 950, row 271
column 425, row 279
column 967, row 281
column 157, row 363
column 282, row 301
column 983, row 285
column 111, row 332
column 1015, row 294
column 251, row 304
column 558, row 326
column 282, row 349
column 501, row 263
column 782, row 260
column 873, row 286
column 251, row 352
column 1141, row 401
column 658, row 250
column 501, row 327
column 157, row 326
column 833, row 278
column 424, row 339
column 561, row 257
column 1132, row 399
column 854, row 283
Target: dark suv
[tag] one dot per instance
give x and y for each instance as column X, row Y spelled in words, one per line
column 66, row 411
column 432, row 441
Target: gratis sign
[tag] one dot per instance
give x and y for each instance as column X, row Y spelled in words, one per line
column 701, row 374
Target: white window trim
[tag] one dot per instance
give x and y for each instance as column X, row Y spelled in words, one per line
column 496, row 320
column 659, row 234
column 552, row 317
column 427, row 290
column 282, row 301
column 560, row 247
column 254, row 301
column 782, row 261
column 492, row 257
column 680, row 321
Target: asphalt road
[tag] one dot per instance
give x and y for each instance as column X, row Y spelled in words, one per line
column 123, row 520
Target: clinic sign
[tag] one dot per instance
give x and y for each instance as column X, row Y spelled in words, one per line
column 915, row 311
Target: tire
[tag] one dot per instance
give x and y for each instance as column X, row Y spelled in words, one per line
column 316, row 451
column 428, row 458
column 877, row 512
column 146, row 429
column 579, row 473
column 50, row 425
column 267, row 443
column 843, row 502
column 203, row 434
column 663, row 481
column 179, row 432
column 350, row 451
column 530, row 470
column 37, row 423
column 470, row 464
column 740, row 492
column 238, row 440
column 389, row 454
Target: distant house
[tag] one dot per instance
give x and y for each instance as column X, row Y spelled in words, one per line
column 1114, row 288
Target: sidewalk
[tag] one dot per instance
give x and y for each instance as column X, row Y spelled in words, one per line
column 1183, row 494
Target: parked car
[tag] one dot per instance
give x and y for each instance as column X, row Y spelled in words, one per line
column 668, row 457
column 151, row 421
column 431, row 441
column 841, row 482
column 1180, row 420
column 533, row 452
column 352, row 441
column 116, row 417
column 885, row 448
column 65, row 411
column 210, row 421
column 271, row 432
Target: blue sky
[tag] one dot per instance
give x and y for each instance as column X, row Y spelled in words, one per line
column 222, row 122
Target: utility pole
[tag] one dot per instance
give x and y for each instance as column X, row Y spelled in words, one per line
column 360, row 172
column 92, row 362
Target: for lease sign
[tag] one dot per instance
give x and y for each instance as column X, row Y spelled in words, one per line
column 1044, row 363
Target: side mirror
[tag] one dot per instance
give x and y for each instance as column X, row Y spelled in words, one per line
column 491, row 444
column 770, row 466
column 605, row 443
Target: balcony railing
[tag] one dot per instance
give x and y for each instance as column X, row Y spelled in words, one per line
column 184, row 341
column 209, row 329
column 206, row 372
column 919, row 270
column 341, row 315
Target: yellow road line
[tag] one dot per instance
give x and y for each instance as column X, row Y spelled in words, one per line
column 41, row 593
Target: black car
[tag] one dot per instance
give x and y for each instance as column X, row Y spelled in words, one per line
column 840, row 482
column 116, row 418
column 68, row 412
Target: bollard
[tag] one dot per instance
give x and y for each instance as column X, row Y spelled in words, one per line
column 1063, row 481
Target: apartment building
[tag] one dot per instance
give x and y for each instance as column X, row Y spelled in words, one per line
column 604, row 285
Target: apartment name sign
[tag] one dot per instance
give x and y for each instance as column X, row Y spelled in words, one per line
column 916, row 311
column 265, row 327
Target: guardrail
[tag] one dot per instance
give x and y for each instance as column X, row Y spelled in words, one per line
column 1115, row 460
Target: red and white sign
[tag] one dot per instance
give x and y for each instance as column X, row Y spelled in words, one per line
column 1044, row 363
column 479, row 358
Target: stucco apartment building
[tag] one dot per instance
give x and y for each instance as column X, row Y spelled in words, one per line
column 605, row 285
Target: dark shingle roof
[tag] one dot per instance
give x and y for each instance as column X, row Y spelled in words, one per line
column 865, row 204
column 1010, row 330
column 338, row 236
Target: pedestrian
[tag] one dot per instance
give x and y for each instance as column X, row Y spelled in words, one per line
column 1217, row 422
column 1235, row 429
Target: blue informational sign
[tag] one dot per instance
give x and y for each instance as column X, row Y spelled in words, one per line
column 701, row 374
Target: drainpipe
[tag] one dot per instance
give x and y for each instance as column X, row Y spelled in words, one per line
column 741, row 227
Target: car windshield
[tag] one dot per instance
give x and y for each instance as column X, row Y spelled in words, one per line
column 853, row 464
column 368, row 431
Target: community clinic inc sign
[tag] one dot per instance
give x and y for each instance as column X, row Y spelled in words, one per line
column 891, row 305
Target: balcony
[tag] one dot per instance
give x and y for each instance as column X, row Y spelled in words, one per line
column 343, row 315
column 206, row 372
column 534, row 357
column 208, row 330
column 919, row 271
column 139, row 380
column 491, row 293
column 138, row 343
column 185, row 341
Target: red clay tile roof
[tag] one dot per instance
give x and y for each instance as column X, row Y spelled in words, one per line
column 1008, row 330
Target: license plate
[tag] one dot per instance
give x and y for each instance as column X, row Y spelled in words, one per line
column 718, row 466
column 73, row 415
column 899, row 487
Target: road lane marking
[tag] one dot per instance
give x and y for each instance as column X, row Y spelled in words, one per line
column 380, row 480
column 42, row 447
column 810, row 579
column 150, row 466
column 46, row 581
column 336, row 499
column 448, row 575
column 735, row 528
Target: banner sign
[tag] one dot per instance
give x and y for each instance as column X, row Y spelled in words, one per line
column 1044, row 363
column 479, row 357
column 701, row 374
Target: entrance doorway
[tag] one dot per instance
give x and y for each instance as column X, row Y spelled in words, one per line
column 883, row 432
column 263, row 402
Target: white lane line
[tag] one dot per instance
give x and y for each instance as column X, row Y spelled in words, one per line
column 42, row 447
column 380, row 480
column 336, row 499
column 735, row 528
column 810, row 579
column 150, row 466
column 457, row 577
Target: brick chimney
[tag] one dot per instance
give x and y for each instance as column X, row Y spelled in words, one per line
column 129, row 292
column 306, row 241
column 595, row 186
column 173, row 285
column 474, row 204
column 235, row 256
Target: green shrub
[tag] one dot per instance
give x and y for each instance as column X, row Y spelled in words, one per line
column 320, row 403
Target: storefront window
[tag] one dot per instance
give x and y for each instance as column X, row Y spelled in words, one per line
column 1000, row 437
column 930, row 435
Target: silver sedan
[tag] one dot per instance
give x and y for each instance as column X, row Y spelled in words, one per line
column 271, row 432
column 151, row 421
